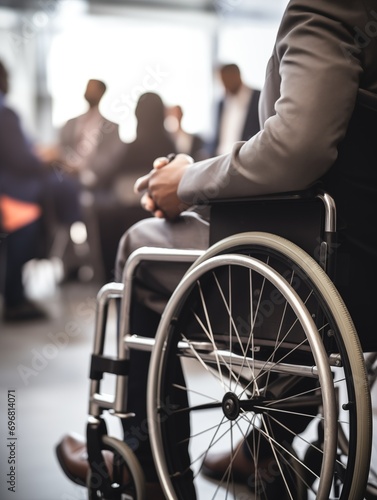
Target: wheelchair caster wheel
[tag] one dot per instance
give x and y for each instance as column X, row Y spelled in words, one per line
column 122, row 479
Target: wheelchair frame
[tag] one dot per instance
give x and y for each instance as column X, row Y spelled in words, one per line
column 98, row 402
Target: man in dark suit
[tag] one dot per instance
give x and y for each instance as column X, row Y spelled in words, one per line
column 237, row 114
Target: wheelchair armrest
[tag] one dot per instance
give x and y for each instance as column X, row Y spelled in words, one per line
column 306, row 217
column 284, row 196
column 316, row 192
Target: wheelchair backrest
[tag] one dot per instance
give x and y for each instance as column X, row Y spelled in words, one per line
column 299, row 217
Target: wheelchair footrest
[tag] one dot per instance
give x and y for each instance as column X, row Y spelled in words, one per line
column 107, row 364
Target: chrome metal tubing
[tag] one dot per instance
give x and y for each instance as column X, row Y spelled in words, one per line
column 330, row 211
column 105, row 294
column 150, row 254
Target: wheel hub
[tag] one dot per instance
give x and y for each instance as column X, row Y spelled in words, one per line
column 231, row 406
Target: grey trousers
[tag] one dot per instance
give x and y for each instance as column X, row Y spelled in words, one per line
column 151, row 289
column 154, row 282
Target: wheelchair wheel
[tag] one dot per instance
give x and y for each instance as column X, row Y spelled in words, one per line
column 124, row 463
column 256, row 347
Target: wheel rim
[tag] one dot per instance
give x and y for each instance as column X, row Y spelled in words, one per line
column 256, row 404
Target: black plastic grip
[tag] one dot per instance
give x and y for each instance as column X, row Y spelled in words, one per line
column 107, row 364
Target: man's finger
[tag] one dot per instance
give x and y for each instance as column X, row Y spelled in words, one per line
column 147, row 203
column 142, row 183
column 159, row 214
column 184, row 156
column 160, row 162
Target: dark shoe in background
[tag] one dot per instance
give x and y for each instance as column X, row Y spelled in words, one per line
column 237, row 464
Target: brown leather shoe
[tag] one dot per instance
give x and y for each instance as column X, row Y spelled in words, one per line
column 73, row 459
column 237, row 463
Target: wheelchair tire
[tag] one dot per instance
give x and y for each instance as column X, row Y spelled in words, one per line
column 124, row 461
column 284, row 363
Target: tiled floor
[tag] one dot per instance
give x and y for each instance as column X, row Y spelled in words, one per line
column 46, row 363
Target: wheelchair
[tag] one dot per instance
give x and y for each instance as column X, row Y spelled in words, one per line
column 255, row 345
column 255, row 348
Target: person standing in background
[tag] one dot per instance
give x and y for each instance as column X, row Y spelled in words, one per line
column 237, row 114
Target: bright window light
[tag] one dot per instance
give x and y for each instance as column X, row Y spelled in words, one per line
column 132, row 56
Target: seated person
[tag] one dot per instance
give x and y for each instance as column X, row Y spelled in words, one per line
column 312, row 82
column 191, row 144
column 151, row 141
column 27, row 190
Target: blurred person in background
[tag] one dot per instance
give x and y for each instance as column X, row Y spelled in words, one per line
column 90, row 151
column 30, row 195
column 237, row 116
column 191, row 144
column 89, row 144
column 152, row 140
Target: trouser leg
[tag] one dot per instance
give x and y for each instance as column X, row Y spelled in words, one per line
column 144, row 322
column 283, row 429
column 152, row 287
column 21, row 246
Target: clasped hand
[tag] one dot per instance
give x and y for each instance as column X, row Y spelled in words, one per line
column 160, row 187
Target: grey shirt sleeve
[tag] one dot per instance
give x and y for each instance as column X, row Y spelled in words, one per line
column 305, row 107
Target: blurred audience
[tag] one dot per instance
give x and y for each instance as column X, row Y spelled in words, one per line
column 107, row 168
column 31, row 195
column 237, row 113
column 191, row 144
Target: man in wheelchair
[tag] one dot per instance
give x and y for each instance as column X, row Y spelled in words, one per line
column 318, row 122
